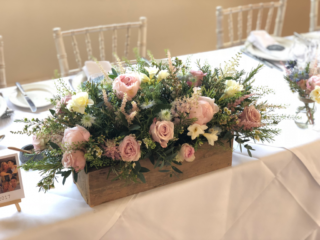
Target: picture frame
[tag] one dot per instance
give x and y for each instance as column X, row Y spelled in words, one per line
column 11, row 184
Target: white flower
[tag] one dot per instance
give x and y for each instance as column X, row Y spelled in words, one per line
column 165, row 115
column 144, row 78
column 212, row 136
column 146, row 105
column 163, row 74
column 195, row 130
column 315, row 94
column 152, row 71
column 232, row 87
column 98, row 151
column 79, row 102
column 197, row 90
column 87, row 120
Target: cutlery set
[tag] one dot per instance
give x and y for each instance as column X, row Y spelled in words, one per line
column 28, row 100
column 310, row 42
column 263, row 61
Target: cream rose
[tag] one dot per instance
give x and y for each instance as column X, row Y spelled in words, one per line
column 162, row 132
column 126, row 83
column 163, row 74
column 129, row 149
column 232, row 87
column 79, row 102
column 315, row 94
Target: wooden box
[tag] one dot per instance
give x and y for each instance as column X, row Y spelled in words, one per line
column 96, row 188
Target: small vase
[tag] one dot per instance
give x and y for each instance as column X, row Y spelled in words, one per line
column 305, row 113
column 26, row 157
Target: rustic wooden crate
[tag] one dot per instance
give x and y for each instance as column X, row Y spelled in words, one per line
column 96, row 188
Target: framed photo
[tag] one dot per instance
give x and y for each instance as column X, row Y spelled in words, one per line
column 11, row 187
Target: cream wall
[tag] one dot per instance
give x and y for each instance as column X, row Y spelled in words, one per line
column 183, row 26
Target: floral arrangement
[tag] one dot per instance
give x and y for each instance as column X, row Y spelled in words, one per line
column 304, row 80
column 158, row 110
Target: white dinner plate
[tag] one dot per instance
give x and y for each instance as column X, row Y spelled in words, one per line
column 276, row 55
column 39, row 93
column 312, row 35
column 3, row 106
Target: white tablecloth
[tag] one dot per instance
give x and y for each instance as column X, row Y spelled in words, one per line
column 274, row 195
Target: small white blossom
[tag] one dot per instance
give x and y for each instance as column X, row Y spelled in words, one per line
column 98, row 152
column 152, row 71
column 146, row 105
column 165, row 115
column 87, row 120
column 195, row 130
column 163, row 74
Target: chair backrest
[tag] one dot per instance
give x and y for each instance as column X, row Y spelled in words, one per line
column 62, row 56
column 3, row 82
column 314, row 16
column 220, row 13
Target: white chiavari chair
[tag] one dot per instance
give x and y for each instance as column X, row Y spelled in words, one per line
column 230, row 12
column 3, row 82
column 62, row 56
column 314, row 6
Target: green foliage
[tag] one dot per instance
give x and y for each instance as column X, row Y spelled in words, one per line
column 155, row 96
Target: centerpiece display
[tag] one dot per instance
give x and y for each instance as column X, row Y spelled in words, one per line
column 306, row 82
column 147, row 125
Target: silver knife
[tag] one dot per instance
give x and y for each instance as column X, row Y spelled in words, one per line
column 256, row 58
column 264, row 61
column 29, row 101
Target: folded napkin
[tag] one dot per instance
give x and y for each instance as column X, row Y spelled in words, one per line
column 93, row 70
column 262, row 40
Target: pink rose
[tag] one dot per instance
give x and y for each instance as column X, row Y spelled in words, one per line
column 205, row 110
column 39, row 144
column 126, row 83
column 76, row 135
column 63, row 100
column 211, row 101
column 250, row 114
column 57, row 139
column 186, row 153
column 199, row 76
column 129, row 149
column 313, row 82
column 74, row 159
column 162, row 132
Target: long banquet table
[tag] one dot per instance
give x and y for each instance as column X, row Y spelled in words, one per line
column 275, row 194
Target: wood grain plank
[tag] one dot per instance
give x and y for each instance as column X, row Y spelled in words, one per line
column 97, row 189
